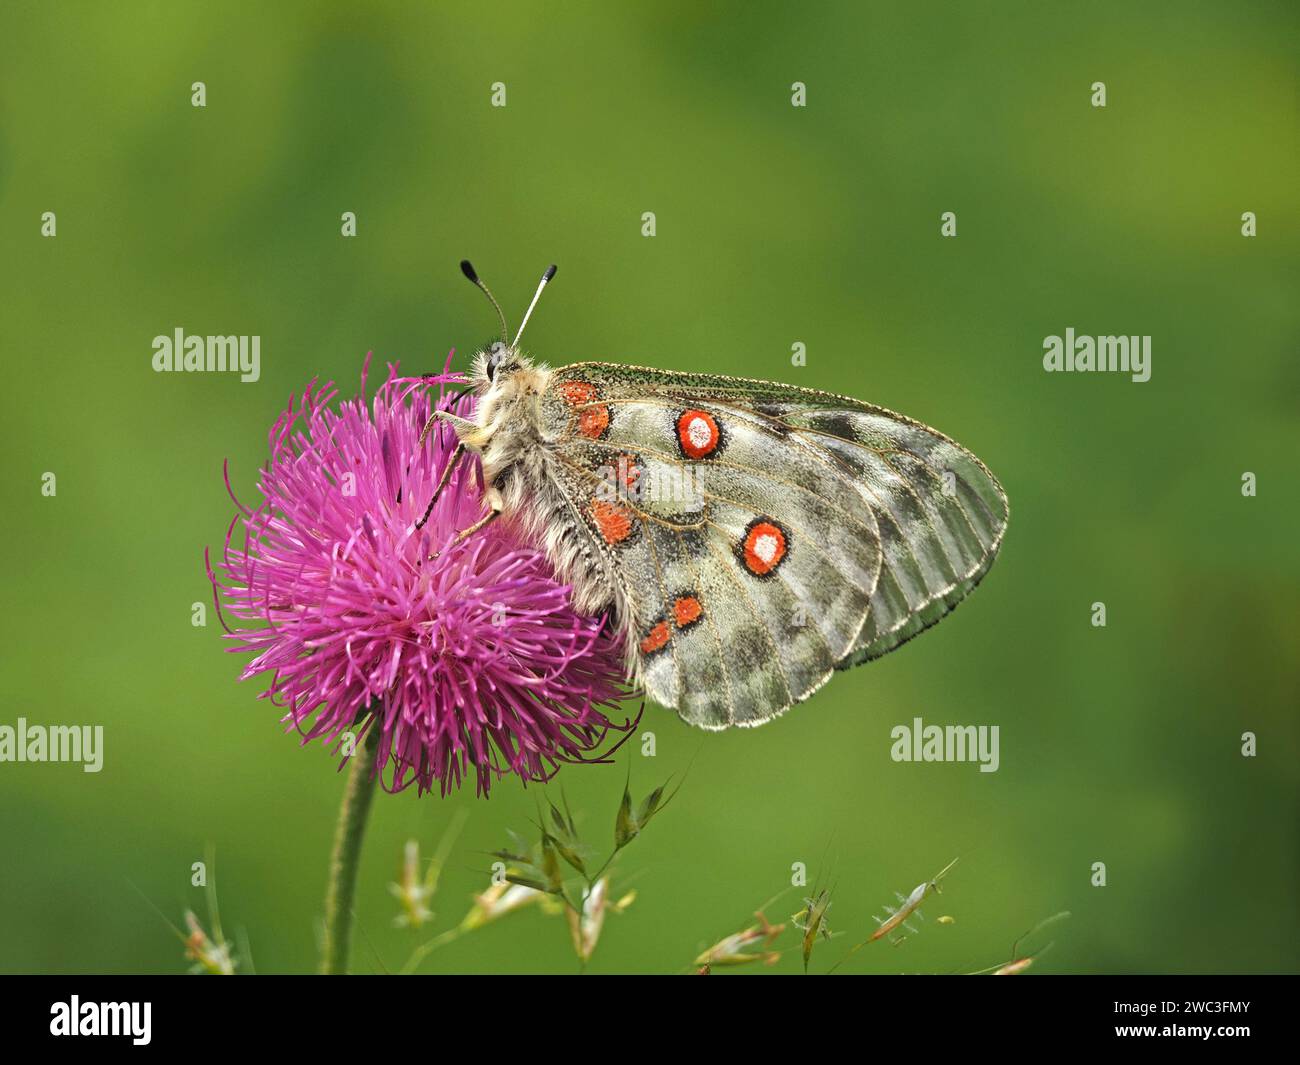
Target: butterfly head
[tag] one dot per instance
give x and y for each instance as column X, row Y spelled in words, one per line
column 507, row 385
column 495, row 365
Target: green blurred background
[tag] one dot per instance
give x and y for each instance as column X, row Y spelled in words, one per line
column 775, row 225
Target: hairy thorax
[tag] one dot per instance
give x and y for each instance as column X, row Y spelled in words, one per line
column 509, row 429
column 519, row 481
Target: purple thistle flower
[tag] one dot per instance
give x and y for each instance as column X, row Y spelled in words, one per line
column 471, row 661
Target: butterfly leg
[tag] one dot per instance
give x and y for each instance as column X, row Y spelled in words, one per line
column 482, row 523
column 442, row 483
column 462, row 426
column 465, row 534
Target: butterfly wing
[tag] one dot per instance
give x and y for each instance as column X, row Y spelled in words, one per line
column 763, row 535
column 941, row 514
column 725, row 635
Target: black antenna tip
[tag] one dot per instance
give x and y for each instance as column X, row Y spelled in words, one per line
column 467, row 268
column 550, row 272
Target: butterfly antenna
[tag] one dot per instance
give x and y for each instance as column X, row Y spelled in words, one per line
column 550, row 273
column 467, row 268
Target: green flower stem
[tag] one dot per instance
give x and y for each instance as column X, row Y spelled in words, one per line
column 348, row 838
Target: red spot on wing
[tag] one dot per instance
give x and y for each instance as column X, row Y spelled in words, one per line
column 581, row 395
column 613, row 522
column 656, row 639
column 576, row 393
column 763, row 548
column 697, row 433
column 687, row 611
column 593, row 421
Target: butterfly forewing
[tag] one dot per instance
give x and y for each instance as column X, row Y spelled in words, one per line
column 762, row 534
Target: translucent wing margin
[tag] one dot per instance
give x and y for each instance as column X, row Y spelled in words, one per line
column 941, row 515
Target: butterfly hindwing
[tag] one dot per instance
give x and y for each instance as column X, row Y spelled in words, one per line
column 777, row 532
column 941, row 516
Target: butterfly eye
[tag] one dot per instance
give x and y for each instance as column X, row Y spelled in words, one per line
column 500, row 358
